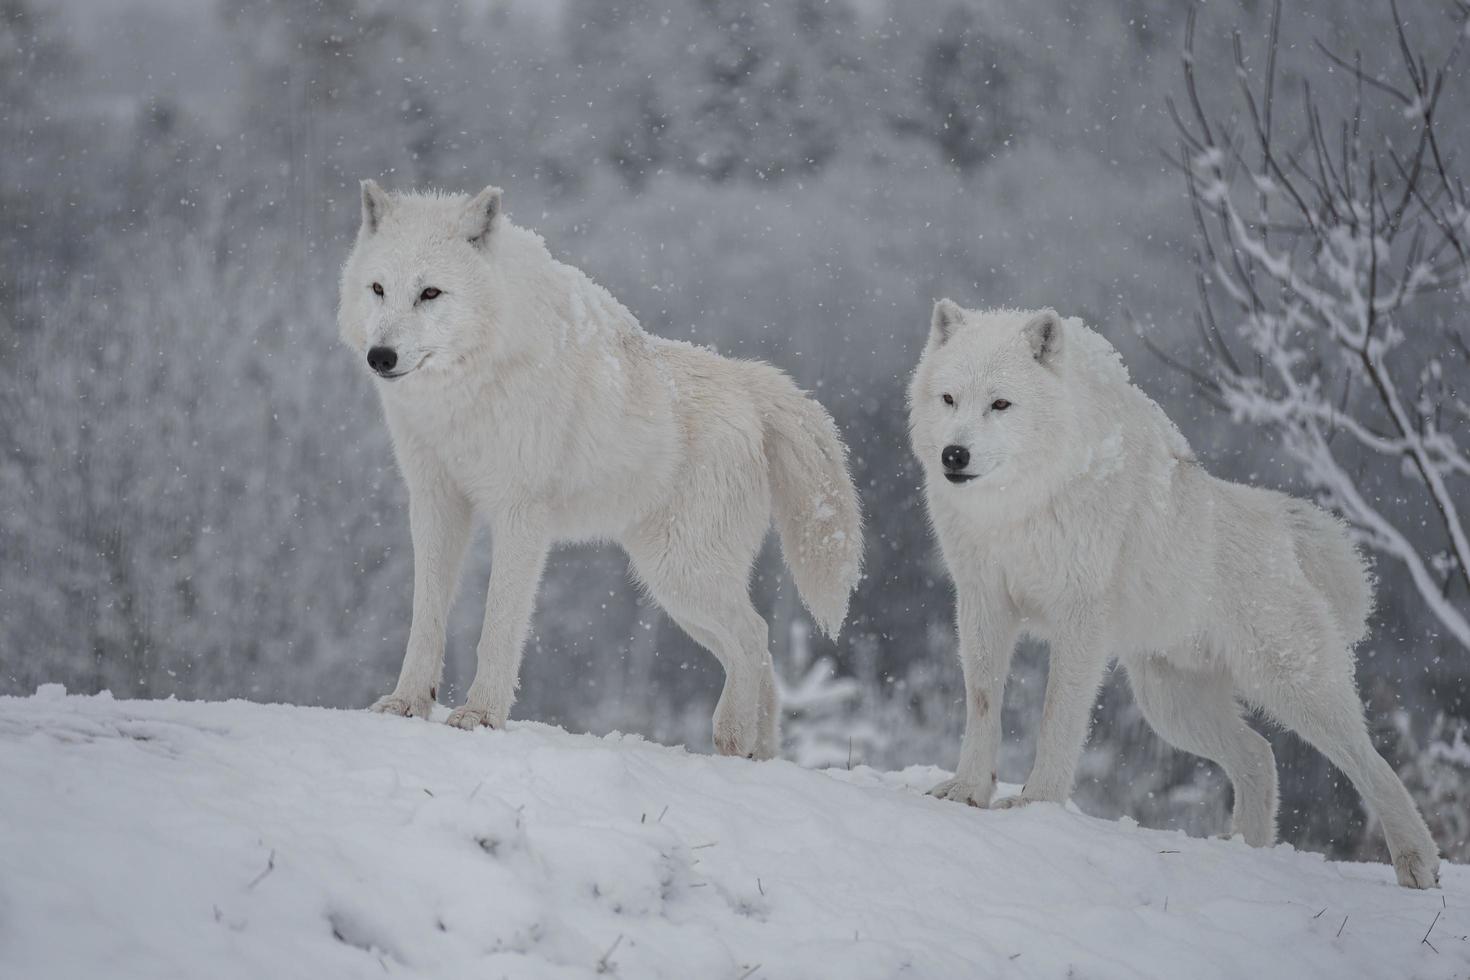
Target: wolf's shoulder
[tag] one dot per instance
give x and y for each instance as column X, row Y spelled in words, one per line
column 1094, row 357
column 1101, row 366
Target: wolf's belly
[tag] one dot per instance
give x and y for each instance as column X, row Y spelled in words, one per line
column 587, row 503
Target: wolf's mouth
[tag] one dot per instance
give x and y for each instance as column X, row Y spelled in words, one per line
column 960, row 477
column 406, row 371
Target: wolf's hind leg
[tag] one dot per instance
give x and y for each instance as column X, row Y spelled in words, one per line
column 1324, row 709
column 747, row 716
column 739, row 728
column 707, row 597
column 1196, row 711
column 695, row 559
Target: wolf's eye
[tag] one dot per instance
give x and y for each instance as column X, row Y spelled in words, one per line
column 1000, row 404
column 377, row 288
column 429, row 293
column 948, row 398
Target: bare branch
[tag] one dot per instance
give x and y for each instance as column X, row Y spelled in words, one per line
column 1363, row 77
column 1207, row 387
column 1320, row 300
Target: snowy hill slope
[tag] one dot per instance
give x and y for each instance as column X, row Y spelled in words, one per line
column 171, row 839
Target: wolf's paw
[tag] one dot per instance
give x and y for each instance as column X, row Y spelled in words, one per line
column 1414, row 870
column 1258, row 833
column 736, row 740
column 396, row 704
column 963, row 791
column 736, row 723
column 471, row 718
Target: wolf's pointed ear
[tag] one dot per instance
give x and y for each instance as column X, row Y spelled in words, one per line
column 946, row 320
column 374, row 205
column 480, row 216
column 1044, row 333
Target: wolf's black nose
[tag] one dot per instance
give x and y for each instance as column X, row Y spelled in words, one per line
column 955, row 457
column 383, row 359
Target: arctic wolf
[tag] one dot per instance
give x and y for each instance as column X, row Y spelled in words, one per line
column 519, row 391
column 1068, row 507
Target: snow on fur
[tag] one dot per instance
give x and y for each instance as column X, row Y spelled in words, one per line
column 241, row 840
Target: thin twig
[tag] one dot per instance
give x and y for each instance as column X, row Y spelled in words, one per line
column 1363, row 76
column 270, row 865
column 604, row 965
column 1425, row 940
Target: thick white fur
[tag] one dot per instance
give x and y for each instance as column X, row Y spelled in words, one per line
column 1092, row 525
column 534, row 400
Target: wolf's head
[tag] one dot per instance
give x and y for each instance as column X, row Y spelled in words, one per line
column 420, row 281
column 989, row 416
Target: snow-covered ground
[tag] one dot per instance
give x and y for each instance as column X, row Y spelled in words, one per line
column 172, row 839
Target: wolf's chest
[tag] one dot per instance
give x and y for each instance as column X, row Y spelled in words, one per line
column 1047, row 564
column 480, row 451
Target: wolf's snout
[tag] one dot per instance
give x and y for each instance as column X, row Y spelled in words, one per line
column 955, row 457
column 383, row 359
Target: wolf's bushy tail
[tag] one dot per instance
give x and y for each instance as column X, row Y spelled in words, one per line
column 1333, row 565
column 815, row 504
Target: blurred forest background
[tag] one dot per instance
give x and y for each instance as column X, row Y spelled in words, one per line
column 197, row 494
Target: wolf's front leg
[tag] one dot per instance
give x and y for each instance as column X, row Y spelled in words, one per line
column 987, row 635
column 439, row 520
column 518, row 557
column 1074, row 673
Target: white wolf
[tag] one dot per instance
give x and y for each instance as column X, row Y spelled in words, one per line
column 1069, row 507
column 518, row 390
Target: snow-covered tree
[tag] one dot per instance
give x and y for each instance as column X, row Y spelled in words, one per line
column 1332, row 275
column 1437, row 772
column 825, row 724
